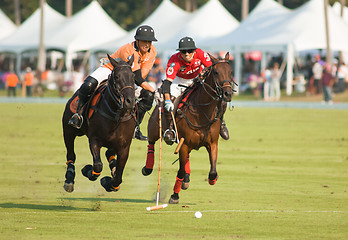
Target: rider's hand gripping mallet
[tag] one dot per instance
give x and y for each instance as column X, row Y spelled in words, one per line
column 159, row 167
column 177, row 149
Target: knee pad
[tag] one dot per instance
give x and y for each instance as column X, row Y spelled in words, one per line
column 146, row 100
column 88, row 86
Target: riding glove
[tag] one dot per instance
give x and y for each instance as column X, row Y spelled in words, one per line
column 168, row 105
column 158, row 97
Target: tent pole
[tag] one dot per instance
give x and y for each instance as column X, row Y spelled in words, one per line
column 237, row 68
column 289, row 69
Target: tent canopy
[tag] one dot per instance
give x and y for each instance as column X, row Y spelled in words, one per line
column 27, row 36
column 87, row 28
column 166, row 21
column 263, row 22
column 209, row 21
column 6, row 25
column 271, row 27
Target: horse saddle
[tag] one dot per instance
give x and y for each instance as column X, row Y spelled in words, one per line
column 181, row 100
column 91, row 106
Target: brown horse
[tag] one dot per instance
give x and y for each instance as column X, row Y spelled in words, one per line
column 109, row 122
column 199, row 112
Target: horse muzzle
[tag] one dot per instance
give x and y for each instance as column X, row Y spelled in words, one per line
column 227, row 94
column 128, row 102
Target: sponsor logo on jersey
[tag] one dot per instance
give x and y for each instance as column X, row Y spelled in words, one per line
column 193, row 70
column 197, row 63
column 182, row 69
column 170, row 71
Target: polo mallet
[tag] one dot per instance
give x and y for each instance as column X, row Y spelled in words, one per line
column 159, row 167
column 177, row 149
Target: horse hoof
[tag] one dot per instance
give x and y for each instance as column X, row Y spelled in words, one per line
column 174, row 199
column 146, row 171
column 212, row 182
column 69, row 187
column 87, row 171
column 186, row 182
column 106, row 183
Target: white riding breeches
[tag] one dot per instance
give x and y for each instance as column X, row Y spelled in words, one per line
column 175, row 89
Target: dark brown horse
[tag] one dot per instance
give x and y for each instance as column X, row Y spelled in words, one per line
column 109, row 122
column 198, row 119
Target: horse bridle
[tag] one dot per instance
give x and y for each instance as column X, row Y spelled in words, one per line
column 117, row 96
column 218, row 87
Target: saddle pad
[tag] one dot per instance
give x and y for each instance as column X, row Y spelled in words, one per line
column 186, row 95
column 91, row 105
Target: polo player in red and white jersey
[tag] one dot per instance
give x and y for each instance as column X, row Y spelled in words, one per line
column 182, row 68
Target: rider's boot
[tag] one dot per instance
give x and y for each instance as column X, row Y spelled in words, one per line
column 223, row 130
column 85, row 91
column 140, row 116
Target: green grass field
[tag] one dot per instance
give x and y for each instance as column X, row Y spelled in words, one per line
column 282, row 175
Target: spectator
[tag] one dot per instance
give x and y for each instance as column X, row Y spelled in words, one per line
column 275, row 84
column 267, row 80
column 11, row 81
column 327, row 82
column 28, row 81
column 156, row 74
column 317, row 75
column 342, row 75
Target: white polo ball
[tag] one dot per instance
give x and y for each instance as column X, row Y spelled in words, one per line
column 198, row 214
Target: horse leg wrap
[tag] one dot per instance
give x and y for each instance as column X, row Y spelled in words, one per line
column 212, row 178
column 89, row 173
column 177, row 186
column 70, row 172
column 187, row 165
column 150, row 159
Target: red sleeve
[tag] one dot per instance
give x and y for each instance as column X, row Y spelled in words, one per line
column 204, row 57
column 173, row 67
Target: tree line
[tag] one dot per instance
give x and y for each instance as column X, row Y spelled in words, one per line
column 129, row 13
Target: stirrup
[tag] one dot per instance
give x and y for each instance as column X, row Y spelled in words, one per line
column 167, row 136
column 76, row 117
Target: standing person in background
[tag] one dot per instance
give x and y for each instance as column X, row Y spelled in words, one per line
column 267, row 81
column 317, row 75
column 327, row 82
column 156, row 74
column 342, row 75
column 28, row 81
column 12, row 81
column 275, row 82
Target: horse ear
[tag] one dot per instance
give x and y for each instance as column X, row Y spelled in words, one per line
column 131, row 60
column 112, row 61
column 212, row 58
column 227, row 56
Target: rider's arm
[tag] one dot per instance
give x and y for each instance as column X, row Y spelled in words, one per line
column 139, row 80
column 166, row 88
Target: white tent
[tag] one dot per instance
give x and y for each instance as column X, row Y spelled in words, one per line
column 6, row 25
column 265, row 17
column 289, row 31
column 27, row 35
column 166, row 21
column 209, row 21
column 337, row 9
column 86, row 29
